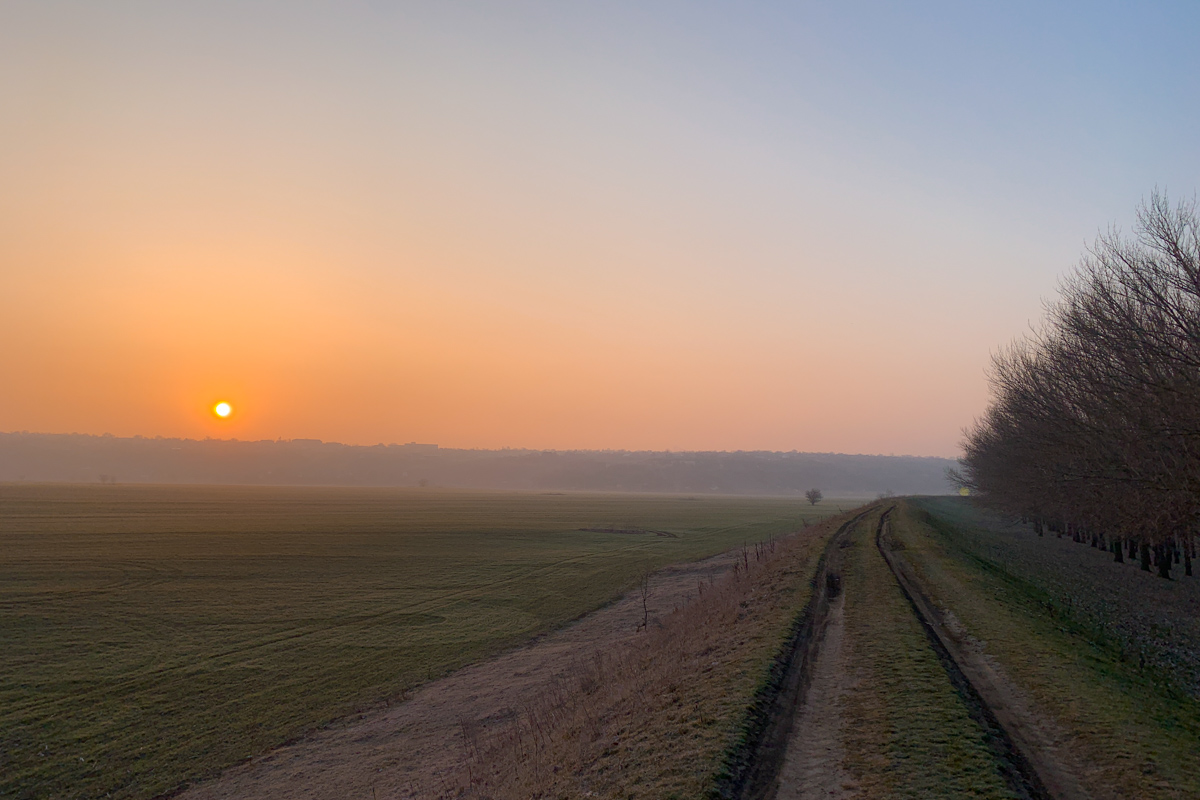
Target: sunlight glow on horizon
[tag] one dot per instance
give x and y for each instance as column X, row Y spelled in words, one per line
column 750, row 227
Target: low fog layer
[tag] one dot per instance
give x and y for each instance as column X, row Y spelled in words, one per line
column 80, row 458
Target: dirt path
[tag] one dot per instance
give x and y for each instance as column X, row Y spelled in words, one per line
column 408, row 750
column 1032, row 762
column 765, row 754
column 812, row 766
column 812, row 763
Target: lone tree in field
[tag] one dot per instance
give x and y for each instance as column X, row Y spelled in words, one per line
column 813, row 496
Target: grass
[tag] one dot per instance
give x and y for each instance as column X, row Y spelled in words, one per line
column 651, row 718
column 153, row 635
column 1133, row 733
column 908, row 732
column 1151, row 620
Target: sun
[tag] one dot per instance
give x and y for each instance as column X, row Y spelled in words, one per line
column 222, row 409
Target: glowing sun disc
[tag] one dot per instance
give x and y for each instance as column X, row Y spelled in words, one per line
column 222, row 410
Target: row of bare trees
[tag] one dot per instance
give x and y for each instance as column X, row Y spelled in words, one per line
column 1094, row 426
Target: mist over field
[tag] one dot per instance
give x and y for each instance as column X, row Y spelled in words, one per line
column 654, row 292
column 82, row 458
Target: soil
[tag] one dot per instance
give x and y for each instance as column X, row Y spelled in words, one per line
column 812, row 767
column 765, row 752
column 408, row 750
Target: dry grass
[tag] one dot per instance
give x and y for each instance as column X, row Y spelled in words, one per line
column 654, row 717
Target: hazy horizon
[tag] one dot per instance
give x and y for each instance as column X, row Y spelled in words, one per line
column 751, row 227
column 501, row 448
column 85, row 458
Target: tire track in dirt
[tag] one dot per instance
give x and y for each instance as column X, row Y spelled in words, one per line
column 812, row 765
column 1025, row 759
column 807, row 764
column 757, row 768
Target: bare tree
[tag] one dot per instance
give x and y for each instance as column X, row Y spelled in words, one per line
column 644, row 591
column 813, row 496
column 1094, row 427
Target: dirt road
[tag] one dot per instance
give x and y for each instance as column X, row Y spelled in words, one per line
column 814, row 766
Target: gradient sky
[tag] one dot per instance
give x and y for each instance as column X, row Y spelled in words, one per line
column 561, row 225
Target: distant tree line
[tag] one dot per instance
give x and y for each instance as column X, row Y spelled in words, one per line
column 28, row 456
column 1094, row 425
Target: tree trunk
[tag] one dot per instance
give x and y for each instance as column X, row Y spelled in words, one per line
column 1164, row 561
column 1118, row 548
column 1144, row 547
column 1187, row 560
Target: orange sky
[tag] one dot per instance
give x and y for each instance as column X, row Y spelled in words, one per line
column 481, row 235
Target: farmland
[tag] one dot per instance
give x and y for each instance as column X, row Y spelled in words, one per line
column 156, row 634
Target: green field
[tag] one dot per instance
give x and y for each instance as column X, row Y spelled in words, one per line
column 151, row 635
